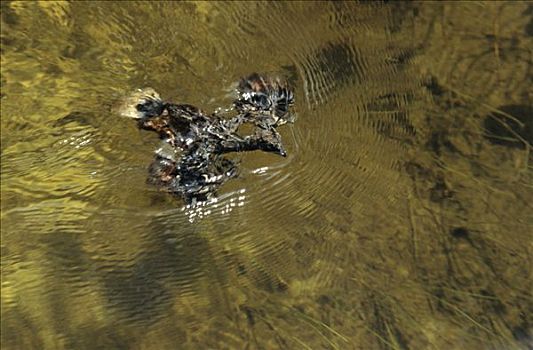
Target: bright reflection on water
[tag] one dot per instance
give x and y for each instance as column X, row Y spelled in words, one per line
column 400, row 219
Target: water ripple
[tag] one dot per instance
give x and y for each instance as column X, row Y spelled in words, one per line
column 81, row 227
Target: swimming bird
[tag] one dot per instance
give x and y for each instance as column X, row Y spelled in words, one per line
column 192, row 164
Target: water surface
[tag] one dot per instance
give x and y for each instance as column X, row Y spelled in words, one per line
column 400, row 219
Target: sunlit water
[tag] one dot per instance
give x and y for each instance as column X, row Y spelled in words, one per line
column 400, row 219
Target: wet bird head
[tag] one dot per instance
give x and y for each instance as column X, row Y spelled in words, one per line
column 269, row 140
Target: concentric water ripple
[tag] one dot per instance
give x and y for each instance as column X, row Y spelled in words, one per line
column 80, row 185
column 296, row 251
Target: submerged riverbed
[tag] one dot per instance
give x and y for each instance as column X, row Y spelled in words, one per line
column 401, row 218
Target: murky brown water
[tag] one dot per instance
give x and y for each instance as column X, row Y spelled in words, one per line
column 401, row 219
